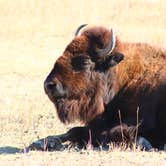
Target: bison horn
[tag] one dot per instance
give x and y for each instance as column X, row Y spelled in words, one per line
column 109, row 48
column 79, row 28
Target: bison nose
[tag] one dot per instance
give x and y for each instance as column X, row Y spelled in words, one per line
column 48, row 86
column 54, row 88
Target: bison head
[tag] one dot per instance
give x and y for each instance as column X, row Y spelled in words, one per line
column 80, row 82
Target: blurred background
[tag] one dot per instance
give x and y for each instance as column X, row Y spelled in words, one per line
column 36, row 31
column 33, row 33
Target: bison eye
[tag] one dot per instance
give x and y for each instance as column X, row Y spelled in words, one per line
column 80, row 63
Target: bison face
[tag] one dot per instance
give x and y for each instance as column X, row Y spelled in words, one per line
column 78, row 82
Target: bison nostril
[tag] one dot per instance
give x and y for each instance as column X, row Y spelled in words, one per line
column 49, row 85
column 54, row 88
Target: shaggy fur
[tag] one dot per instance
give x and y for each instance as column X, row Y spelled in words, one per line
column 96, row 88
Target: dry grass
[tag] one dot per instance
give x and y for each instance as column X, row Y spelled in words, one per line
column 86, row 158
column 32, row 35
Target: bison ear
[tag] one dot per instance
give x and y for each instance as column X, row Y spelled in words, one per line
column 110, row 61
column 114, row 59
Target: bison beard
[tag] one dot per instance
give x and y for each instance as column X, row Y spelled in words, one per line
column 88, row 109
column 84, row 108
column 90, row 83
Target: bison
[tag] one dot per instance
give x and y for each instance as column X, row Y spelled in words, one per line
column 115, row 88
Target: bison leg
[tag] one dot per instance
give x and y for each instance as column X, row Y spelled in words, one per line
column 49, row 143
column 75, row 135
column 80, row 136
column 126, row 134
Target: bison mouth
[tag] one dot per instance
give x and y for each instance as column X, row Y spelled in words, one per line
column 56, row 98
column 59, row 99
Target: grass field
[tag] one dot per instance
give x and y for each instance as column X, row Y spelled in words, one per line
column 33, row 33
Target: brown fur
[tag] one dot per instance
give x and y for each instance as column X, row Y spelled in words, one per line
column 135, row 82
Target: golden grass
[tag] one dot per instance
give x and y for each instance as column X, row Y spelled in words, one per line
column 32, row 35
column 86, row 158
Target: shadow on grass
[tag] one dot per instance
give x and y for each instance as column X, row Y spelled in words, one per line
column 9, row 150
